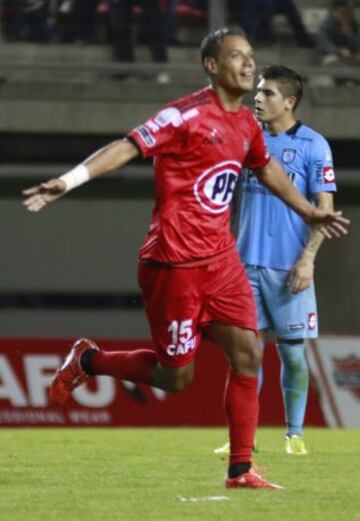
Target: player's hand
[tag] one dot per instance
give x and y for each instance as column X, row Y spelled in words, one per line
column 329, row 223
column 39, row 196
column 301, row 275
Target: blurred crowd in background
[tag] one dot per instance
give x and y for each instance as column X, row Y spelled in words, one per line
column 102, row 21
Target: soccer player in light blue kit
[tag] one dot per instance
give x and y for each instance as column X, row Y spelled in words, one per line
column 277, row 247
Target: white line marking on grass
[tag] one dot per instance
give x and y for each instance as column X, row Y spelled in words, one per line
column 202, row 499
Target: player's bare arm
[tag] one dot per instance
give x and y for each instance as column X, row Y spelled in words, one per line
column 302, row 273
column 330, row 223
column 106, row 159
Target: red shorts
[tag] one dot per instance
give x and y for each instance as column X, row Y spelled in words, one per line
column 179, row 301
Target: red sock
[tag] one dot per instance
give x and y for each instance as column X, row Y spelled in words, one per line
column 242, row 409
column 135, row 366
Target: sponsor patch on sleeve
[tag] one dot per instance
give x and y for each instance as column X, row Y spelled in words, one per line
column 169, row 116
column 328, row 175
column 146, row 136
column 191, row 113
column 153, row 127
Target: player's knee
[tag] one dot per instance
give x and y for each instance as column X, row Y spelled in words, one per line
column 179, row 383
column 180, row 380
column 256, row 356
column 247, row 357
column 292, row 355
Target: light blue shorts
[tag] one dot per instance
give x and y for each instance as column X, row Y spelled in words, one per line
column 288, row 315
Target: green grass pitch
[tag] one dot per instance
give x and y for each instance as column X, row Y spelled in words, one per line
column 171, row 475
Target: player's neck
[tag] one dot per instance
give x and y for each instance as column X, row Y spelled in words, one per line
column 230, row 102
column 281, row 125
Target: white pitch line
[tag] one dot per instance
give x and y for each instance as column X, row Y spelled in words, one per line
column 202, row 499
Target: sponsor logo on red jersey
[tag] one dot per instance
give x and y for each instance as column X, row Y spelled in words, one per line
column 328, row 174
column 214, row 138
column 215, row 187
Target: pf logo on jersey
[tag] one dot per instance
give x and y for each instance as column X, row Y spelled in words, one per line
column 215, row 187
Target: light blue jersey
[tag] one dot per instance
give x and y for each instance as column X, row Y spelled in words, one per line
column 271, row 239
column 271, row 234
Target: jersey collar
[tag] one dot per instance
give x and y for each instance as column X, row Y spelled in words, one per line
column 215, row 98
column 291, row 132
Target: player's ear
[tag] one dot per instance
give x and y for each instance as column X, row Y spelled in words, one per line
column 210, row 66
column 291, row 102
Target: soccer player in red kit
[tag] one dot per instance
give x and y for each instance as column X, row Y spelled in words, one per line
column 190, row 274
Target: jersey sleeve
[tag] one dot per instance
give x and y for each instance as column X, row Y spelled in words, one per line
column 258, row 155
column 162, row 134
column 321, row 167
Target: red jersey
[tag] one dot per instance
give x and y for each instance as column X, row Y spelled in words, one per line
column 199, row 149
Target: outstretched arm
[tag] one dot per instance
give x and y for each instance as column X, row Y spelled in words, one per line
column 106, row 159
column 302, row 273
column 329, row 222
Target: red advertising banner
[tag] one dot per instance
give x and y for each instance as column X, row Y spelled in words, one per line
column 27, row 367
column 335, row 363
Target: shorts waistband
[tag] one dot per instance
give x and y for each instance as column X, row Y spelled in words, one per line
column 191, row 264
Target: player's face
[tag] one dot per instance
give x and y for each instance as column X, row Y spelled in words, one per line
column 234, row 67
column 270, row 104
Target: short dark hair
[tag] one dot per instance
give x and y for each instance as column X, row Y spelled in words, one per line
column 289, row 81
column 211, row 44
